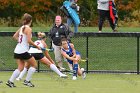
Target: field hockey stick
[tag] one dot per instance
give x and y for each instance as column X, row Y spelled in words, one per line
column 45, row 49
column 71, row 71
column 83, row 60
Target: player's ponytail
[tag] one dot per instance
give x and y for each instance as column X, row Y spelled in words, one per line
column 27, row 18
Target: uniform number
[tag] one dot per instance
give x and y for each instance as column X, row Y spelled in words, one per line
column 20, row 38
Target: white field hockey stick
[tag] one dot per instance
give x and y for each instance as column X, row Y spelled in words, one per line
column 82, row 60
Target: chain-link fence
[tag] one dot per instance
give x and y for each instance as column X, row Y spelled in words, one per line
column 105, row 52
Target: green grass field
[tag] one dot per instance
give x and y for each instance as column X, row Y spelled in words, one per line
column 94, row 83
column 81, row 29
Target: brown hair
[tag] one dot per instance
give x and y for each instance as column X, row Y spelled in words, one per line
column 26, row 19
column 63, row 39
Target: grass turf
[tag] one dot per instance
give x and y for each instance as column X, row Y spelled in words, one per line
column 81, row 29
column 94, row 83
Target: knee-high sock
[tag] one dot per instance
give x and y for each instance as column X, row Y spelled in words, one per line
column 14, row 75
column 30, row 73
column 22, row 73
column 75, row 69
column 55, row 69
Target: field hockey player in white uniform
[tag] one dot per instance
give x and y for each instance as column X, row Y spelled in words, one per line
column 23, row 36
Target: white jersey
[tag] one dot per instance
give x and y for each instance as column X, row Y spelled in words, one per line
column 23, row 45
column 35, row 50
column 103, row 4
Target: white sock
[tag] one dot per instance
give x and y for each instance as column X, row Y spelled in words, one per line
column 14, row 75
column 22, row 73
column 30, row 73
column 55, row 69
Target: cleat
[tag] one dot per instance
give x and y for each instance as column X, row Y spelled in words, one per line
column 83, row 73
column 74, row 78
column 63, row 76
column 10, row 84
column 18, row 79
column 28, row 83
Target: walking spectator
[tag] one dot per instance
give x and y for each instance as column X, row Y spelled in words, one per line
column 103, row 10
column 69, row 19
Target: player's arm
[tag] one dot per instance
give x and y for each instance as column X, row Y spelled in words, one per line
column 16, row 35
column 46, row 53
column 67, row 56
column 28, row 32
column 73, row 50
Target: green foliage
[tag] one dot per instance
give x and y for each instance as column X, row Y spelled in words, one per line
column 44, row 11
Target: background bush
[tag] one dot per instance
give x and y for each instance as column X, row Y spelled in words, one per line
column 44, row 11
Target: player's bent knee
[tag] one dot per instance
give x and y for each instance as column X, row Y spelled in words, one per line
column 32, row 62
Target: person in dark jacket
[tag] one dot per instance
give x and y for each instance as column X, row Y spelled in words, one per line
column 57, row 32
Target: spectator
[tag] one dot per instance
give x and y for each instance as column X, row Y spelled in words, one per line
column 103, row 9
column 69, row 19
column 57, row 32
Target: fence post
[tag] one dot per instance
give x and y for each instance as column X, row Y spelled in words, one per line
column 38, row 68
column 87, row 54
column 137, row 55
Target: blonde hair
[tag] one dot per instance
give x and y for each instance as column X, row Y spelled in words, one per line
column 41, row 35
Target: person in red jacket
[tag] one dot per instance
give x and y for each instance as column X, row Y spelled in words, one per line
column 104, row 12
